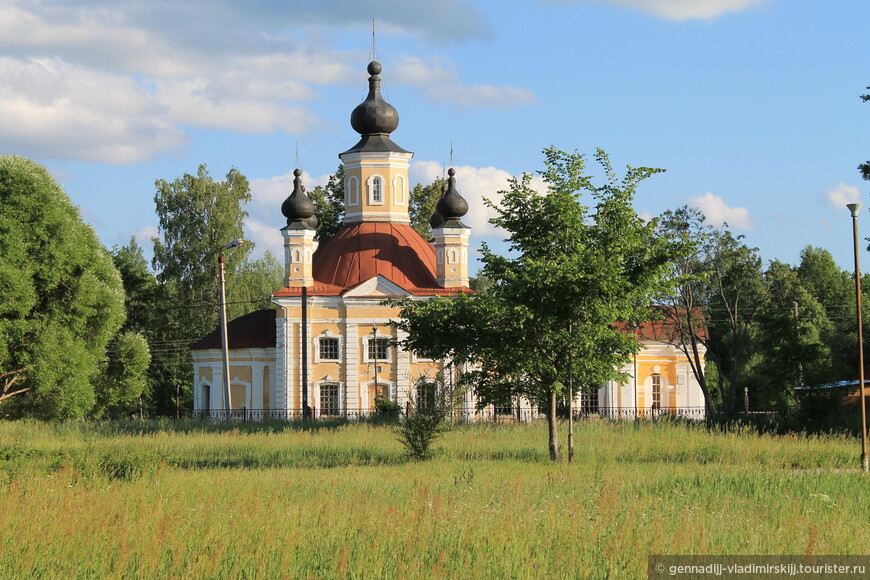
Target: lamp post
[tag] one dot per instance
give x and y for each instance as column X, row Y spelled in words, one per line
column 375, row 357
column 224, row 341
column 854, row 208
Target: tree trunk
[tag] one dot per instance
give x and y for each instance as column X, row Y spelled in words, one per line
column 551, row 423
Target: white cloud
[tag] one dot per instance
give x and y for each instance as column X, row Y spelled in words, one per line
column 718, row 212
column 119, row 81
column 682, row 9
column 841, row 194
column 266, row 237
column 438, row 80
column 49, row 108
column 144, row 234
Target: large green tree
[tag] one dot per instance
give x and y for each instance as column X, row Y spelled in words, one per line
column 582, row 261
column 198, row 215
column 720, row 297
column 62, row 298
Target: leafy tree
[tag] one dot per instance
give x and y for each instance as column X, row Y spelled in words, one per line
column 329, row 205
column 423, row 200
column 125, row 376
column 144, row 297
column 577, row 269
column 198, row 216
column 834, row 290
column 63, row 300
column 719, row 299
column 790, row 345
column 253, row 284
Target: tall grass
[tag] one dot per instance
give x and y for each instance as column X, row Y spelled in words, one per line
column 165, row 500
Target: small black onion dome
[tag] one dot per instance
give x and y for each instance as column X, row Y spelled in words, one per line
column 451, row 204
column 297, row 206
column 436, row 221
column 374, row 115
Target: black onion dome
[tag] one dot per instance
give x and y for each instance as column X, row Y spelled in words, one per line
column 297, row 206
column 451, row 204
column 374, row 115
column 436, row 221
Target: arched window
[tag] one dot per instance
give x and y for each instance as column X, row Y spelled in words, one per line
column 377, row 194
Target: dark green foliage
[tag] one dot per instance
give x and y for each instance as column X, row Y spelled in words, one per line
column 423, row 200
column 124, row 378
column 62, row 298
column 329, row 204
column 386, row 410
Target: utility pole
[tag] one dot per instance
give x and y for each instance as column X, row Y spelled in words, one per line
column 854, row 208
column 224, row 338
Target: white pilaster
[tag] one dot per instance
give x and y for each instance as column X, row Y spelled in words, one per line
column 351, row 366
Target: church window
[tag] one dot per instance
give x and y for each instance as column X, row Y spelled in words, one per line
column 329, row 399
column 426, row 396
column 377, row 194
column 379, row 349
column 329, row 349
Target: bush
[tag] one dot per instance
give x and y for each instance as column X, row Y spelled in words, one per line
column 386, row 410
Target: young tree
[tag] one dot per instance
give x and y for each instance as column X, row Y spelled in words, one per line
column 576, row 270
column 62, row 298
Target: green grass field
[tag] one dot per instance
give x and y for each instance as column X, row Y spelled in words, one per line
column 189, row 500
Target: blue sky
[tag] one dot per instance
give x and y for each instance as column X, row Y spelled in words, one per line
column 752, row 106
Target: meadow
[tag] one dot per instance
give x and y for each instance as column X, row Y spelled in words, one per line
column 194, row 500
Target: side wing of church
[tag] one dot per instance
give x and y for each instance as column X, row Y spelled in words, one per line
column 329, row 346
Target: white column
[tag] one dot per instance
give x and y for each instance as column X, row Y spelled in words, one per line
column 403, row 366
column 284, row 364
column 351, row 365
column 216, row 392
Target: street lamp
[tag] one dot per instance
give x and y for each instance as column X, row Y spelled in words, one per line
column 375, row 357
column 224, row 341
column 855, row 208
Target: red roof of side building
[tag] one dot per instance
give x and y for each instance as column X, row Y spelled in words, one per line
column 661, row 326
column 253, row 330
column 361, row 251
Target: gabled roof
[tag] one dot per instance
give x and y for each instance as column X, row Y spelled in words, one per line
column 362, row 251
column 253, row 330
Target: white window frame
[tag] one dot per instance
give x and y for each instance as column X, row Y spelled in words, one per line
column 341, row 396
column 365, row 343
column 316, row 346
column 370, row 186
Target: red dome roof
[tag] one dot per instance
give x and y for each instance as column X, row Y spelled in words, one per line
column 361, row 251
